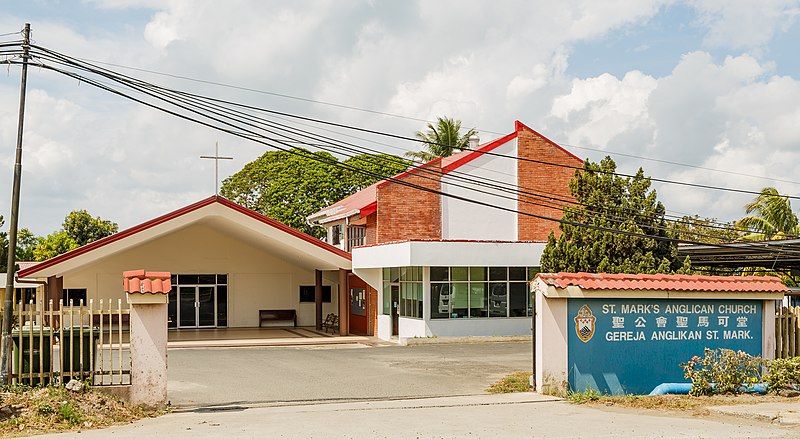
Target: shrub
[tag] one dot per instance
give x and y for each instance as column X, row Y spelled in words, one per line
column 783, row 373
column 588, row 395
column 722, row 371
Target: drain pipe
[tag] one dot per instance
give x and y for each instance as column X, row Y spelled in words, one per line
column 684, row 388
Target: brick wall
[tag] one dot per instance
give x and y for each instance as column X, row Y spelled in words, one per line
column 406, row 213
column 372, row 229
column 543, row 182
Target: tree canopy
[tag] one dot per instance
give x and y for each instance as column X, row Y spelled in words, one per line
column 706, row 230
column 442, row 139
column 769, row 216
column 616, row 226
column 289, row 187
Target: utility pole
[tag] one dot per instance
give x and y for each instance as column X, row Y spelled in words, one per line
column 216, row 157
column 8, row 304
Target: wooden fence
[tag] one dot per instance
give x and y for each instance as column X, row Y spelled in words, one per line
column 787, row 332
column 85, row 342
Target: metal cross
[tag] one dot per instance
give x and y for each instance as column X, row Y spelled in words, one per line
column 216, row 157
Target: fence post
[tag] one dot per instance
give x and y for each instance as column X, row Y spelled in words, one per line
column 147, row 295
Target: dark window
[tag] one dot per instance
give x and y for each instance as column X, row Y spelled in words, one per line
column 517, row 273
column 307, row 293
column 206, row 279
column 222, row 305
column 75, row 295
column 187, row 279
column 336, row 234
column 440, row 274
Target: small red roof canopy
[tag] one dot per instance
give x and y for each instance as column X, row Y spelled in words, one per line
column 664, row 282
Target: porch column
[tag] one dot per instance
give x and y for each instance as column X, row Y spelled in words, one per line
column 344, row 303
column 318, row 298
column 54, row 291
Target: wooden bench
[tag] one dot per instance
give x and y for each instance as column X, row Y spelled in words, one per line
column 331, row 322
column 276, row 315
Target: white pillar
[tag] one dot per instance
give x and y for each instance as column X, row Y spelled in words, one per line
column 149, row 354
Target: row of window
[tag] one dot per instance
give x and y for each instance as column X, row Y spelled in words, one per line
column 459, row 292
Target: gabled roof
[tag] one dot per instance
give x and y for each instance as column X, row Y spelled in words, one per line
column 364, row 201
column 663, row 282
column 213, row 206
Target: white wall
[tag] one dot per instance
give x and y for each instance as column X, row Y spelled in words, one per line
column 410, row 328
column 480, row 327
column 384, row 326
column 551, row 341
column 256, row 279
column 465, row 220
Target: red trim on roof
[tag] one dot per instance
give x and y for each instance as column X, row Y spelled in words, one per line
column 479, row 241
column 670, row 282
column 469, row 156
column 368, row 209
column 175, row 214
column 519, row 126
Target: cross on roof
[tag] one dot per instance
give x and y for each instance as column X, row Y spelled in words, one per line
column 216, row 157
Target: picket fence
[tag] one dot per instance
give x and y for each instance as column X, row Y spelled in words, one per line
column 88, row 342
column 787, row 331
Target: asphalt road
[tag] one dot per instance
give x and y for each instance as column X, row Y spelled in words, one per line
column 480, row 416
column 263, row 375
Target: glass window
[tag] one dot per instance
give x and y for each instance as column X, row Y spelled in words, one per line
column 308, row 293
column 459, row 273
column 74, row 295
column 206, row 279
column 387, row 298
column 394, row 274
column 187, row 279
column 532, row 272
column 477, row 273
column 459, row 300
column 222, row 279
column 439, row 274
column 518, row 299
column 222, row 305
column 498, row 273
column 440, row 301
column 498, row 299
column 477, row 299
column 517, row 273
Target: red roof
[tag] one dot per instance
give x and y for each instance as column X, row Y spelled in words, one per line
column 175, row 214
column 668, row 282
column 140, row 281
column 363, row 201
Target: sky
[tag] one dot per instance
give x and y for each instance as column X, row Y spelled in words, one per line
column 699, row 91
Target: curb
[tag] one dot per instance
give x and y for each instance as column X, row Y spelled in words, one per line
column 414, row 341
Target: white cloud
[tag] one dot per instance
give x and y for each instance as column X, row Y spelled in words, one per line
column 743, row 24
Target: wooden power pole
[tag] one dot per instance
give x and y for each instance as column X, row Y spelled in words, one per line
column 8, row 304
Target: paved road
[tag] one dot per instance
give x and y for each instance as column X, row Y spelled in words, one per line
column 260, row 375
column 481, row 416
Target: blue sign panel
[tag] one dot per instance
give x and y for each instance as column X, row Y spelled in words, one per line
column 629, row 346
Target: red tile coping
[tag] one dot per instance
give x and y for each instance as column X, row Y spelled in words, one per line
column 669, row 282
column 140, row 281
column 378, row 244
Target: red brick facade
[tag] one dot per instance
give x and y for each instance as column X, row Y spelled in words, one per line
column 372, row 229
column 543, row 186
column 406, row 212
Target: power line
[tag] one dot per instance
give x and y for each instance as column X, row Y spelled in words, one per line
column 394, row 115
column 172, row 91
column 249, row 137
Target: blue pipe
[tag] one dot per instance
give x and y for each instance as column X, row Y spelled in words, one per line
column 684, row 388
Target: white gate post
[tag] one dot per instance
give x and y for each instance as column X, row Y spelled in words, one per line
column 147, row 293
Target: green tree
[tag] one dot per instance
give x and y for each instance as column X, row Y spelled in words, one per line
column 442, row 139
column 707, row 230
column 769, row 217
column 26, row 241
column 53, row 245
column 608, row 202
column 290, row 187
column 83, row 229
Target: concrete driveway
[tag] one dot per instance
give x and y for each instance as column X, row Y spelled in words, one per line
column 205, row 377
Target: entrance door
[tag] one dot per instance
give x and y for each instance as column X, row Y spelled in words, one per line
column 395, row 303
column 196, row 306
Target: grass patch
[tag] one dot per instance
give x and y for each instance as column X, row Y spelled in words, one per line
column 516, row 382
column 695, row 404
column 588, row 395
column 26, row 411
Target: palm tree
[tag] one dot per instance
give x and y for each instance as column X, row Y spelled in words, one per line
column 773, row 217
column 442, row 139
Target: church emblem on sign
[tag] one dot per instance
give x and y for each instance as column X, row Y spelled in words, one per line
column 584, row 323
